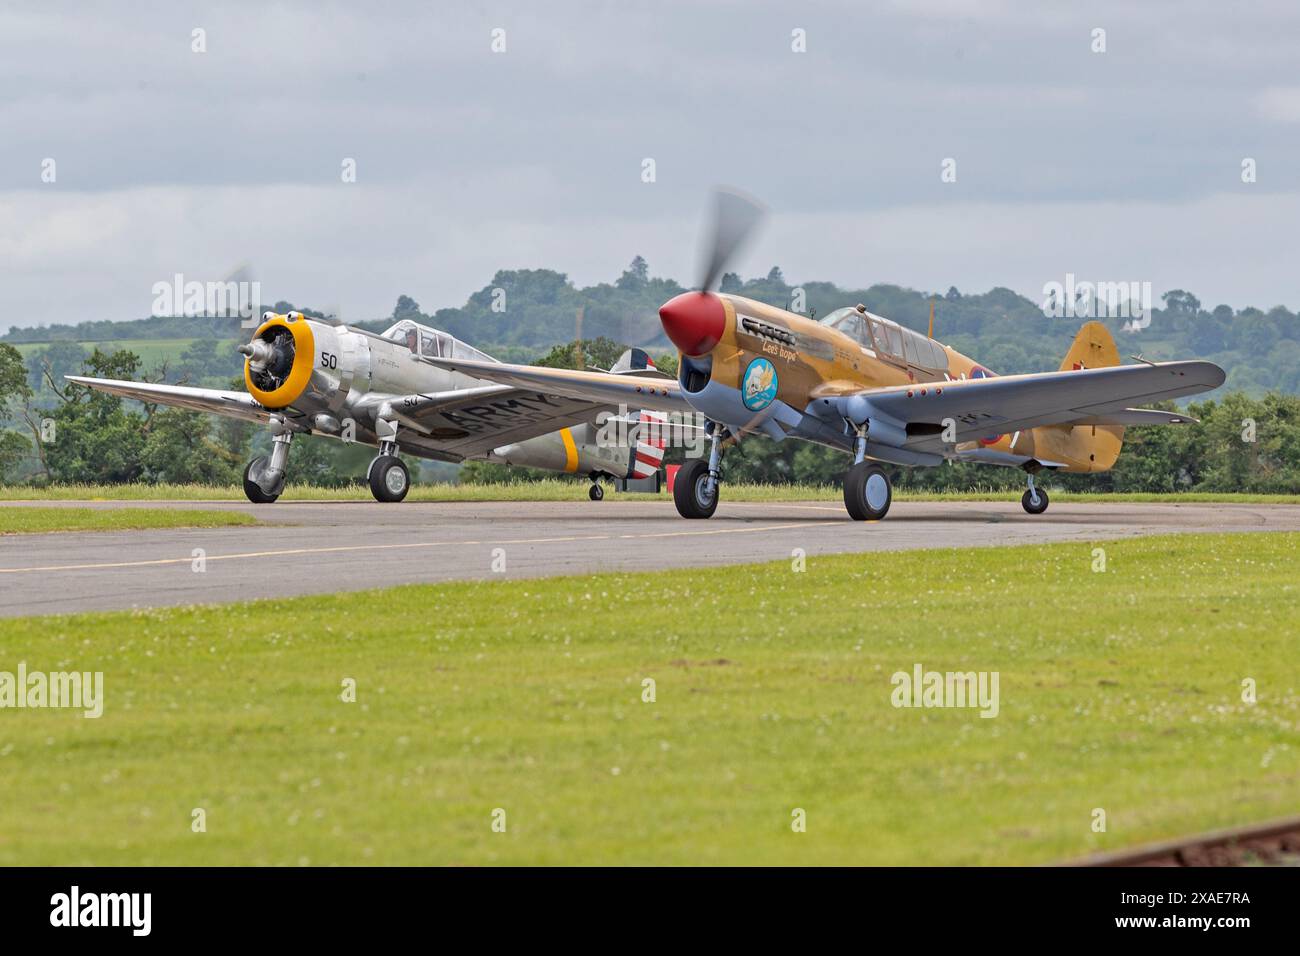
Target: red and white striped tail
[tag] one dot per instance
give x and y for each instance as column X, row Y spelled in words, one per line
column 648, row 456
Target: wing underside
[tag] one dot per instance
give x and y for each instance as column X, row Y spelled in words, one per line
column 473, row 425
column 978, row 407
column 451, row 426
column 214, row 400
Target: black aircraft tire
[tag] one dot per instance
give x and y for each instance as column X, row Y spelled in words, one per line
column 1027, row 502
column 689, row 490
column 252, row 490
column 867, row 492
column 388, row 478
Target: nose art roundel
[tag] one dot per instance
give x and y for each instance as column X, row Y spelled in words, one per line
column 758, row 386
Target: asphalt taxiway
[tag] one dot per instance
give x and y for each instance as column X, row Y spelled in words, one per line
column 327, row 547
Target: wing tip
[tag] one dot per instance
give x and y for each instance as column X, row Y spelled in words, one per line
column 1214, row 375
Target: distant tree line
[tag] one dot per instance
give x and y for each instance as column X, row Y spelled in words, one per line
column 539, row 315
column 521, row 313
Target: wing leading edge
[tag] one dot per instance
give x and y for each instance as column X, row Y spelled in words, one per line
column 1014, row 402
column 601, row 388
column 215, row 400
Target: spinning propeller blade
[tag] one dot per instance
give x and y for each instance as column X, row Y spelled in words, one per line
column 735, row 218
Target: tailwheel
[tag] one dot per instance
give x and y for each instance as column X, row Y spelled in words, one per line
column 695, row 493
column 867, row 492
column 595, row 492
column 388, row 478
column 253, row 491
column 1034, row 501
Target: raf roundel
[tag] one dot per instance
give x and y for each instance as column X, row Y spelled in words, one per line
column 758, row 387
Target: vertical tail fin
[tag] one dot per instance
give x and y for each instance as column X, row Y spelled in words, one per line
column 1093, row 347
column 1089, row 448
column 634, row 360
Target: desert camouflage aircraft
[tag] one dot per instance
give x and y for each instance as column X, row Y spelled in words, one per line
column 862, row 383
column 309, row 376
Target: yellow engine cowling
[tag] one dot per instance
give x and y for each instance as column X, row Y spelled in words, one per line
column 292, row 358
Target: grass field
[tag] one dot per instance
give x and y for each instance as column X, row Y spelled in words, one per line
column 38, row 520
column 151, row 351
column 1118, row 690
column 560, row 490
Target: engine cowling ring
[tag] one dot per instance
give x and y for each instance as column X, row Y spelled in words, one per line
column 304, row 352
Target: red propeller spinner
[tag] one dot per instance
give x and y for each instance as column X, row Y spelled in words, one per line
column 694, row 321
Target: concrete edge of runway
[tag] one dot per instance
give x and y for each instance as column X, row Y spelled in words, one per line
column 337, row 547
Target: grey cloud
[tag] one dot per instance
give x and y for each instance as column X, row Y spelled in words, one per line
column 470, row 161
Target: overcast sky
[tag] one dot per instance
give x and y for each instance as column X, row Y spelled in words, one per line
column 1117, row 166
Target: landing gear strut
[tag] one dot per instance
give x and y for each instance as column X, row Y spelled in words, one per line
column 867, row 490
column 388, row 476
column 695, row 489
column 263, row 476
column 1033, row 500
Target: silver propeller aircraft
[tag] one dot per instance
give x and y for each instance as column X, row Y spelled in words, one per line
column 309, row 376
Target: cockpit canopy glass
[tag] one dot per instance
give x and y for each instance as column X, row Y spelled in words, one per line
column 888, row 339
column 422, row 340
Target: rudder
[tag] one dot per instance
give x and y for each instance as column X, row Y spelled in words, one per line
column 1087, row 448
column 1093, row 347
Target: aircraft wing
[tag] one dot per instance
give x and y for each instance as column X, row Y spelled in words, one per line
column 215, row 400
column 1009, row 403
column 602, row 388
column 471, row 422
column 453, row 424
column 1138, row 416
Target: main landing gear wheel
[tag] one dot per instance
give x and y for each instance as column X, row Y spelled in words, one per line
column 252, row 490
column 691, row 490
column 1034, row 501
column 867, row 492
column 595, row 492
column 388, row 478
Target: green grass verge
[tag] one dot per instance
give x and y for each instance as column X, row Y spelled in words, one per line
column 560, row 490
column 38, row 520
column 1118, row 690
column 151, row 351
